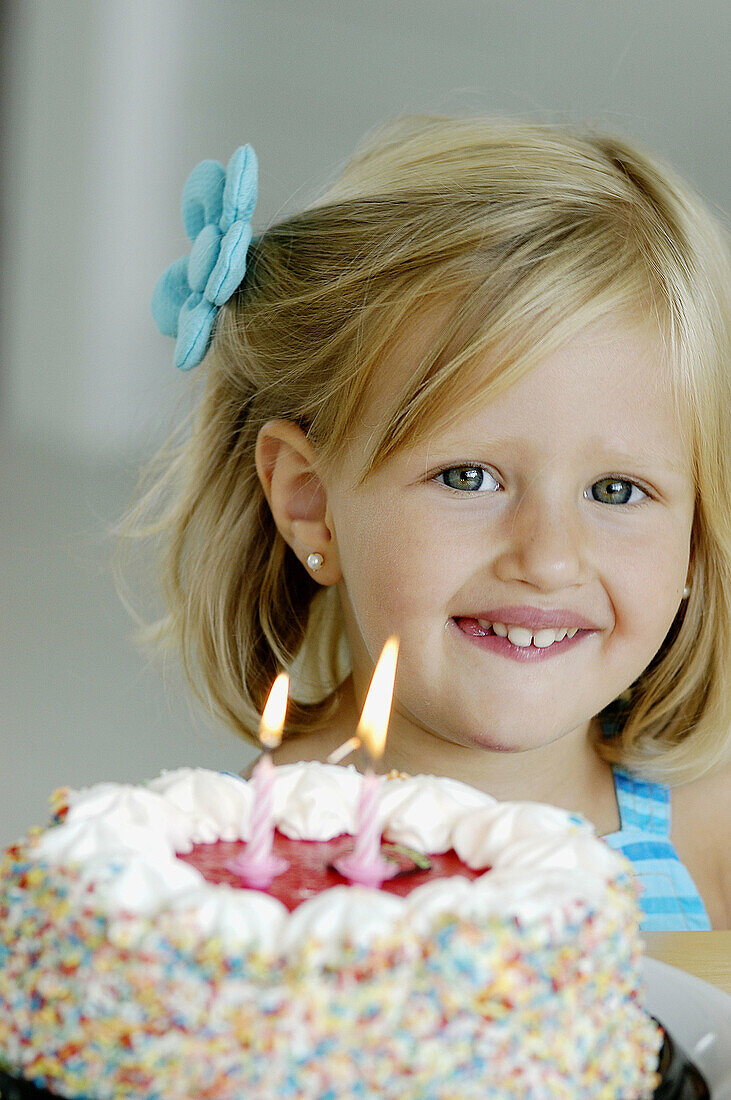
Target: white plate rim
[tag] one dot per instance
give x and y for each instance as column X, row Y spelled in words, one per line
column 697, row 1015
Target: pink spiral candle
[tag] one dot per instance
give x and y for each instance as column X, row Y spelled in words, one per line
column 257, row 865
column 260, row 841
column 365, row 864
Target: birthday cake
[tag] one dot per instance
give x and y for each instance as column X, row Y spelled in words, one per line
column 502, row 959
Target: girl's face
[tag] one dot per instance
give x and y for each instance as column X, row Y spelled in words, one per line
column 531, row 557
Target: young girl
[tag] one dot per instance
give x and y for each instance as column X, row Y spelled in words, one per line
column 477, row 396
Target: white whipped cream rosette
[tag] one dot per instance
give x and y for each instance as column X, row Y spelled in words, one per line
column 239, row 917
column 320, row 800
column 422, row 811
column 217, row 805
column 127, row 808
column 130, row 883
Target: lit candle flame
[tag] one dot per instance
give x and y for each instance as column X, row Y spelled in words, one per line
column 271, row 724
column 373, row 724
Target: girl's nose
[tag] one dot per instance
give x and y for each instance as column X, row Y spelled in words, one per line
column 542, row 545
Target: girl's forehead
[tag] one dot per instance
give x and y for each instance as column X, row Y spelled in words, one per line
column 614, row 368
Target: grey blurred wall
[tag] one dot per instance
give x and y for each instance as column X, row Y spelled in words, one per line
column 107, row 106
column 112, row 103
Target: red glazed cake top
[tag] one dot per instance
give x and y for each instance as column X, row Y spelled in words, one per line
column 311, row 869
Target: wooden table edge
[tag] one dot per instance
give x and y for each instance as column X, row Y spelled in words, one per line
column 707, row 955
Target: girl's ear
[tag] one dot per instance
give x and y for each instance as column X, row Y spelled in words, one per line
column 287, row 467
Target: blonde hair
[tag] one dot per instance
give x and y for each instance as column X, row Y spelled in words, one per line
column 532, row 231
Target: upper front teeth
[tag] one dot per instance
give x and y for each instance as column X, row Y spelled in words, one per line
column 522, row 636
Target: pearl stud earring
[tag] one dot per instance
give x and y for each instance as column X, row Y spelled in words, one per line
column 686, row 592
column 314, row 562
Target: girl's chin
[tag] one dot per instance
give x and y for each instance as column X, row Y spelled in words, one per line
column 503, row 746
column 523, row 730
column 499, row 742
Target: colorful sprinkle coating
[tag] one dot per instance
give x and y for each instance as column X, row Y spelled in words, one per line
column 117, row 1006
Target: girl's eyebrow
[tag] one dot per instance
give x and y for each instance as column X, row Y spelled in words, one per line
column 669, row 460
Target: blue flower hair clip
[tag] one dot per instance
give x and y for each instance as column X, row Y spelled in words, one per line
column 217, row 207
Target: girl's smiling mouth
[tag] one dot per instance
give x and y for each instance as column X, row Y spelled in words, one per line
column 525, row 633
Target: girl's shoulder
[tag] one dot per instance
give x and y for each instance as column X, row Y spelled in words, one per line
column 700, row 829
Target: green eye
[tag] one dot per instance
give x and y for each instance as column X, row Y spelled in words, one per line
column 469, row 479
column 616, row 490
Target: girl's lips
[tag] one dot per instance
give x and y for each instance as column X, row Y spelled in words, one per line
column 471, row 630
column 534, row 618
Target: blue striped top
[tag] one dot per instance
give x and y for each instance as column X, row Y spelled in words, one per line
column 669, row 900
